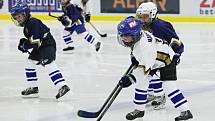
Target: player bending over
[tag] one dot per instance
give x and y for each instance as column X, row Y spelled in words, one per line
column 150, row 54
column 39, row 39
column 164, row 30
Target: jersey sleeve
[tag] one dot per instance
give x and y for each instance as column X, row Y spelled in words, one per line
column 36, row 31
column 164, row 30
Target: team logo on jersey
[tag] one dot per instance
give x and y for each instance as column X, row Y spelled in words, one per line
column 1, row 4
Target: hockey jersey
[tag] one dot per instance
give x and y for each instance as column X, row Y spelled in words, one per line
column 152, row 53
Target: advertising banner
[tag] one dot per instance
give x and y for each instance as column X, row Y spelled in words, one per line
column 1, row 4
column 38, row 5
column 130, row 6
column 207, row 7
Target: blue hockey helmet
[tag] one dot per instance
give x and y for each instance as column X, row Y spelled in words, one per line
column 130, row 27
column 20, row 9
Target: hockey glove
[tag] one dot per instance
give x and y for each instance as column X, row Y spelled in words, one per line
column 87, row 17
column 21, row 46
column 134, row 61
column 176, row 58
column 64, row 20
column 127, row 81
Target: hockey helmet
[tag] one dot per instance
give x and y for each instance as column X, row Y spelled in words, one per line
column 129, row 31
column 23, row 11
column 147, row 8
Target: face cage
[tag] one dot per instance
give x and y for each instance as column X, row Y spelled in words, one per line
column 16, row 22
column 141, row 13
column 130, row 44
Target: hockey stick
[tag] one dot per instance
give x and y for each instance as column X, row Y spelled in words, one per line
column 49, row 12
column 102, row 35
column 109, row 100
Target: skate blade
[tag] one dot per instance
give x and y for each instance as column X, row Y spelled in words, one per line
column 30, row 96
column 139, row 119
column 159, row 107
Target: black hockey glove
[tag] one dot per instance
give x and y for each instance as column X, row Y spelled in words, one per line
column 63, row 19
column 176, row 58
column 87, row 17
column 134, row 61
column 21, row 46
column 127, row 80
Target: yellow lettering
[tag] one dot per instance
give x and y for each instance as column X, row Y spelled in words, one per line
column 129, row 5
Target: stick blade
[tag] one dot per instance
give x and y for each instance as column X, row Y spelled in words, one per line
column 103, row 35
column 86, row 114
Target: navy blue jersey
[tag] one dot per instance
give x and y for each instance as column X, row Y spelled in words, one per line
column 162, row 29
column 37, row 33
column 72, row 12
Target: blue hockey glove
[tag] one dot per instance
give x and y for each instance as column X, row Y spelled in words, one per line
column 21, row 46
column 176, row 58
column 127, row 80
column 87, row 17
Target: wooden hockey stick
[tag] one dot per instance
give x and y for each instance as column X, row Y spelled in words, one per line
column 100, row 113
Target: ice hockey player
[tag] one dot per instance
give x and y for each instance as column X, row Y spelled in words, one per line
column 84, row 7
column 150, row 54
column 164, row 30
column 74, row 22
column 39, row 39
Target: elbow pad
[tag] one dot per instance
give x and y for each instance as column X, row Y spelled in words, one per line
column 177, row 46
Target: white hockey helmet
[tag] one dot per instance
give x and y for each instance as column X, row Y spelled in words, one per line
column 148, row 8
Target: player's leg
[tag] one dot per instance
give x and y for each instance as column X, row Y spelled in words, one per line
column 31, row 76
column 67, row 37
column 57, row 78
column 49, row 54
column 168, row 75
column 89, row 38
column 158, row 98
column 140, row 96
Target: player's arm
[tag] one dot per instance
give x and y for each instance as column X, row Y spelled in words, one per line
column 38, row 32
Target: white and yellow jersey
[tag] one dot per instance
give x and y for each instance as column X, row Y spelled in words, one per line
column 151, row 52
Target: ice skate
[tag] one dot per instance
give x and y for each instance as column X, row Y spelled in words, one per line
column 185, row 115
column 159, row 102
column 98, row 46
column 150, row 98
column 62, row 91
column 135, row 114
column 68, row 48
column 30, row 92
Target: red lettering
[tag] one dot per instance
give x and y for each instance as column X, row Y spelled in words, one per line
column 203, row 4
column 213, row 4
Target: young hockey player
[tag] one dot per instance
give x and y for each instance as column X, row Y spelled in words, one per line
column 84, row 7
column 164, row 30
column 150, row 54
column 74, row 21
column 39, row 39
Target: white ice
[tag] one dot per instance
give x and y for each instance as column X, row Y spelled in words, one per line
column 92, row 76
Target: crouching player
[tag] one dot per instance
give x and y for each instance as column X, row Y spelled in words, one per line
column 39, row 39
column 150, row 54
